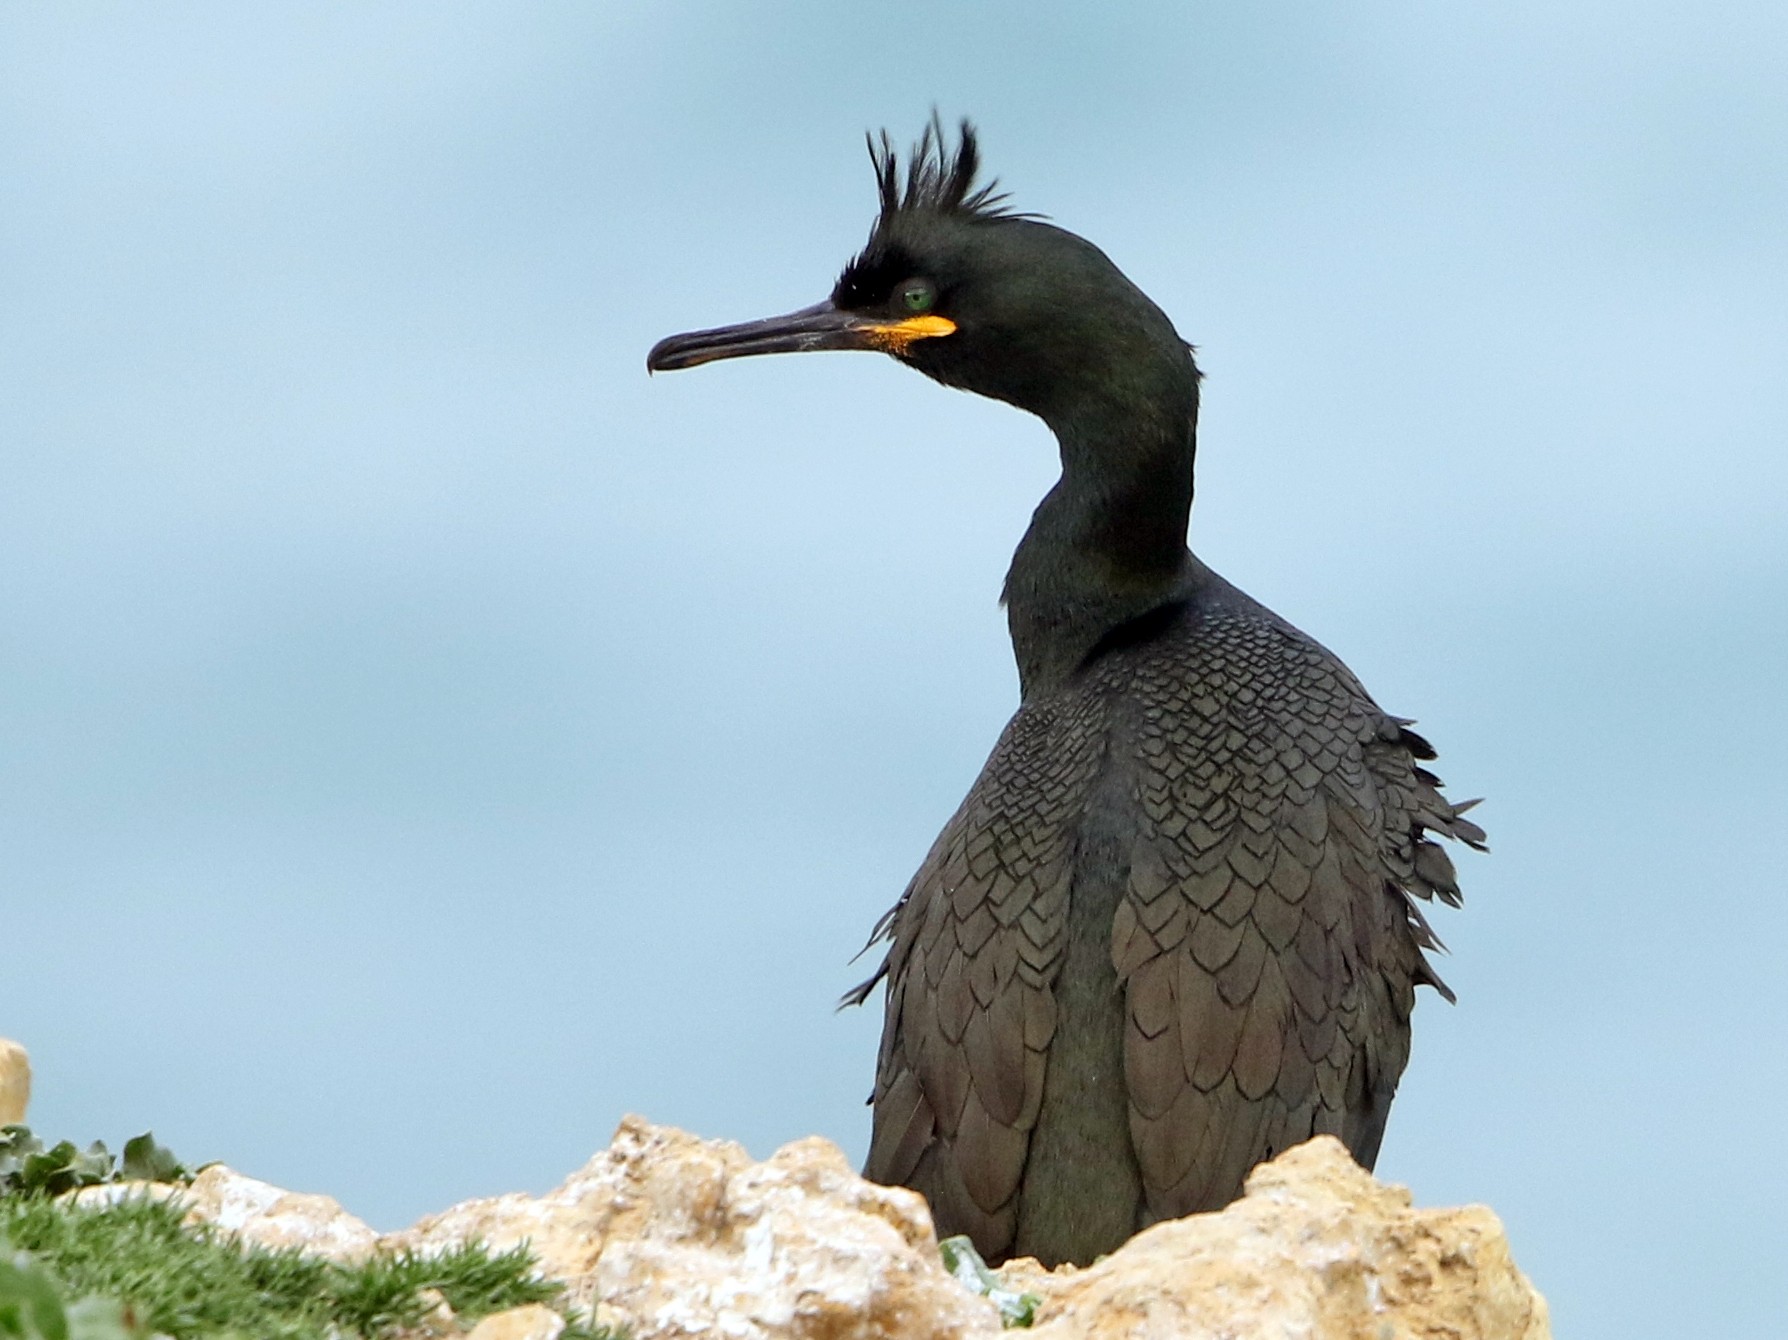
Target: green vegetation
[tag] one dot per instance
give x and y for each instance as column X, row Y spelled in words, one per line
column 136, row 1271
column 27, row 1168
column 1016, row 1309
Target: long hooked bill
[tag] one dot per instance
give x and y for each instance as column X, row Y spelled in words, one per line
column 822, row 326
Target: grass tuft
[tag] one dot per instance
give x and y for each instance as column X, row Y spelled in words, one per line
column 197, row 1284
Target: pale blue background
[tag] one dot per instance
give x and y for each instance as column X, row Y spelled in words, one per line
column 423, row 738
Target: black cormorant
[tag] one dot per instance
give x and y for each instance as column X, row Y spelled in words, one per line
column 1173, row 929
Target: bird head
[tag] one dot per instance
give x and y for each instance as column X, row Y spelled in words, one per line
column 956, row 285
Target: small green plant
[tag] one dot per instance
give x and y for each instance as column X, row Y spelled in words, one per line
column 964, row 1262
column 29, row 1169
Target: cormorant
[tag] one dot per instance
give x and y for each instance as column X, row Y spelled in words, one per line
column 1173, row 929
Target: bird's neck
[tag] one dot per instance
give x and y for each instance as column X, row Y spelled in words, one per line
column 1107, row 545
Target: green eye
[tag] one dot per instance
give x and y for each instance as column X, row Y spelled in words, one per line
column 917, row 295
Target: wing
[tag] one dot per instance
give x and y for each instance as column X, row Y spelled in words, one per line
column 1267, row 944
column 978, row 939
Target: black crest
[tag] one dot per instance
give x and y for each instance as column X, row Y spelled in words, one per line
column 937, row 178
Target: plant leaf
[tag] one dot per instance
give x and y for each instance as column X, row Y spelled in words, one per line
column 147, row 1161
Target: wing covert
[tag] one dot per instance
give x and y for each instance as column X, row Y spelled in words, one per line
column 977, row 941
column 1267, row 944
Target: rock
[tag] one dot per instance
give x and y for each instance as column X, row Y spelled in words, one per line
column 669, row 1236
column 532, row 1322
column 1316, row 1247
column 438, row 1322
column 15, row 1083
column 252, row 1210
column 262, row 1213
column 110, row 1193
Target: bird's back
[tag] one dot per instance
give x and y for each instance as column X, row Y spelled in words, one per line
column 1169, row 933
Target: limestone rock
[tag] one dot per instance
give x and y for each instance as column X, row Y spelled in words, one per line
column 1316, row 1247
column 262, row 1213
column 110, row 1193
column 438, row 1322
column 532, row 1322
column 254, row 1211
column 15, row 1083
column 669, row 1236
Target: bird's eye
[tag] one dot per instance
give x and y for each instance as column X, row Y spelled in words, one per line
column 918, row 295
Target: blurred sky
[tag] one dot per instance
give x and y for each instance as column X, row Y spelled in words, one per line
column 424, row 738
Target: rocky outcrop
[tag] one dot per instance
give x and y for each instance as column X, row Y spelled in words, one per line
column 274, row 1218
column 669, row 1237
column 1316, row 1247
column 532, row 1322
column 15, row 1083
column 253, row 1211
